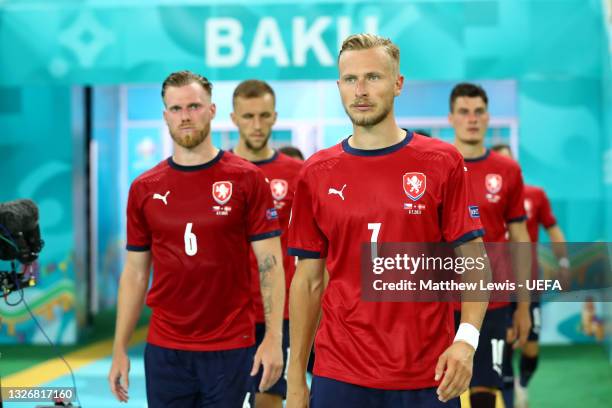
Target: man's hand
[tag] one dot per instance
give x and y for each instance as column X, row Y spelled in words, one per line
column 298, row 395
column 118, row 375
column 564, row 275
column 455, row 369
column 270, row 355
column 521, row 324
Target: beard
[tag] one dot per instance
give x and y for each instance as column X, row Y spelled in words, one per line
column 372, row 120
column 192, row 139
column 256, row 148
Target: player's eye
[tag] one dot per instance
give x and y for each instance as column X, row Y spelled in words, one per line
column 174, row 109
column 194, row 106
column 373, row 77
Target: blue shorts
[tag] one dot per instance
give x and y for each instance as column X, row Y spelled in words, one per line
column 280, row 387
column 185, row 379
column 328, row 393
column 489, row 357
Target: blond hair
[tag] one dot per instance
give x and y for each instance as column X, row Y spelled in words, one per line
column 366, row 41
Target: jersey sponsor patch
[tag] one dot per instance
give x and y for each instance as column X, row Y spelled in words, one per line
column 271, row 214
column 279, row 188
column 474, row 212
column 493, row 183
column 222, row 191
column 414, row 185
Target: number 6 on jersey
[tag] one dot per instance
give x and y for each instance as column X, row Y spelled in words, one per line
column 191, row 241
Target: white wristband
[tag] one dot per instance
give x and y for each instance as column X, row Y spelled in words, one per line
column 564, row 262
column 468, row 333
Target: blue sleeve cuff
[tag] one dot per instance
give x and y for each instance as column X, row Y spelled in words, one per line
column 137, row 248
column 517, row 219
column 468, row 237
column 301, row 253
column 266, row 235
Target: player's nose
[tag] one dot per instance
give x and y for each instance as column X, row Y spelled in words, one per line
column 360, row 88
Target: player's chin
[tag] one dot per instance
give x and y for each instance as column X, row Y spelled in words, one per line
column 472, row 139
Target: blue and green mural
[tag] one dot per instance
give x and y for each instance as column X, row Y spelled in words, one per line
column 555, row 52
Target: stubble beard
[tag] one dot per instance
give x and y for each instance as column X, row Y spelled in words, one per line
column 369, row 121
column 254, row 148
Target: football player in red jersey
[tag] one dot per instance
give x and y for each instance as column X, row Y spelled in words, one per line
column 254, row 114
column 497, row 188
column 539, row 212
column 376, row 354
column 193, row 218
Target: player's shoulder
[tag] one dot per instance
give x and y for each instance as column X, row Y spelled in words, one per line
column 534, row 190
column 233, row 164
column 289, row 162
column 503, row 162
column 154, row 174
column 289, row 165
column 434, row 149
column 323, row 159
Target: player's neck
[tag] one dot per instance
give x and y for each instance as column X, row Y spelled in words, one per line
column 201, row 154
column 253, row 155
column 470, row 151
column 382, row 135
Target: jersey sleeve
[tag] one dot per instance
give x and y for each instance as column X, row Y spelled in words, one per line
column 460, row 214
column 515, row 210
column 262, row 218
column 138, row 232
column 546, row 216
column 306, row 240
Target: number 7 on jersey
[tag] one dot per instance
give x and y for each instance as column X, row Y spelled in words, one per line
column 375, row 228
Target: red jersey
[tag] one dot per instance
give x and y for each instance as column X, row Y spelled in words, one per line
column 497, row 188
column 198, row 222
column 281, row 172
column 538, row 211
column 416, row 191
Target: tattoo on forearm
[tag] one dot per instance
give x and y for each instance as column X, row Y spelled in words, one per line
column 267, row 264
column 265, row 280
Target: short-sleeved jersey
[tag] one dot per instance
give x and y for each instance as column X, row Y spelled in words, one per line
column 497, row 188
column 538, row 211
column 281, row 172
column 497, row 185
column 198, row 222
column 416, row 191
